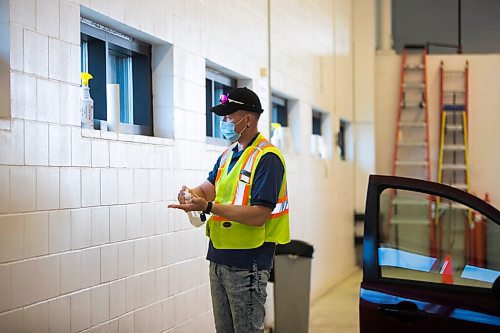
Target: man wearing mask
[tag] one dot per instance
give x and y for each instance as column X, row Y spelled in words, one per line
column 246, row 193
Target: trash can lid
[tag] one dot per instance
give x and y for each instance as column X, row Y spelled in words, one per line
column 295, row 247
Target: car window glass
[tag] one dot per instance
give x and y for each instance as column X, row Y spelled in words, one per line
column 433, row 239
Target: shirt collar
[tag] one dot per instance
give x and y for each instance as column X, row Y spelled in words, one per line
column 235, row 148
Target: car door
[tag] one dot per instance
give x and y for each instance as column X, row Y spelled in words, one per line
column 431, row 259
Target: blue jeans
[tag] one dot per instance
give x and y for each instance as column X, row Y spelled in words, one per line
column 238, row 297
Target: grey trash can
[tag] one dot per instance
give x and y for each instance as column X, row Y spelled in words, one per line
column 292, row 285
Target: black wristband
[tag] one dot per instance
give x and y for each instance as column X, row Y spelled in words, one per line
column 209, row 207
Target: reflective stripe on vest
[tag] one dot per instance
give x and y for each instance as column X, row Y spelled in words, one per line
column 281, row 207
column 242, row 191
column 223, row 160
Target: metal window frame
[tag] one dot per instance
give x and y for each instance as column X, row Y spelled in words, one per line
column 123, row 43
column 318, row 115
column 216, row 76
column 281, row 102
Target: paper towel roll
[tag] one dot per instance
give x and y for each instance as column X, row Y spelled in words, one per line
column 113, row 106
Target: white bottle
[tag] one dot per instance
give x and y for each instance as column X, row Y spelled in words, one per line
column 194, row 216
column 86, row 103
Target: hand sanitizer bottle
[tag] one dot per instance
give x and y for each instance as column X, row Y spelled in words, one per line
column 86, row 103
column 195, row 217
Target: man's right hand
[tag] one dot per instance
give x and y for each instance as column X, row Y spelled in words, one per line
column 180, row 196
column 205, row 190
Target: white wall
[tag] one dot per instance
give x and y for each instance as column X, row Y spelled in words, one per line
column 86, row 241
column 484, row 116
column 314, row 65
column 364, row 98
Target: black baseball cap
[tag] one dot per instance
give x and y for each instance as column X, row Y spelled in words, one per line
column 238, row 99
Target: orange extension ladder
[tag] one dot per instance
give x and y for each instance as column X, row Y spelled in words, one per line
column 411, row 145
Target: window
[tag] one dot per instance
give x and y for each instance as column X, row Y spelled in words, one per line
column 217, row 84
column 280, row 111
column 320, row 138
column 121, row 70
column 341, row 139
column 434, row 239
column 280, row 133
column 316, row 122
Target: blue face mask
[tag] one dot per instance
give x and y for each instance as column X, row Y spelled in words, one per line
column 227, row 130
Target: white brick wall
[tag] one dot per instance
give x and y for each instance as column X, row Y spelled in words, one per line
column 60, row 314
column 36, row 234
column 59, row 231
column 86, row 240
column 11, row 238
column 36, row 53
column 36, row 143
column 22, row 189
column 23, row 96
column 47, row 187
column 59, row 145
column 71, row 272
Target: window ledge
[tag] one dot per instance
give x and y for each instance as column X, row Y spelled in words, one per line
column 113, row 136
column 5, row 124
column 214, row 144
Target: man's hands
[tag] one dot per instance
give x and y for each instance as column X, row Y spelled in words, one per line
column 196, row 203
column 250, row 215
column 180, row 197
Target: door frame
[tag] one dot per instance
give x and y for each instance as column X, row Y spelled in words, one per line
column 378, row 183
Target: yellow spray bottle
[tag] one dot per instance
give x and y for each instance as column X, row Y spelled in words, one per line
column 86, row 103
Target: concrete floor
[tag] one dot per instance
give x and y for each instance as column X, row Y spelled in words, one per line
column 337, row 310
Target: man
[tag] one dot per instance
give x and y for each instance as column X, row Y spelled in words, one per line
column 246, row 194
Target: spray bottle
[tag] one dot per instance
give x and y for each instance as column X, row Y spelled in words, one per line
column 197, row 219
column 86, row 103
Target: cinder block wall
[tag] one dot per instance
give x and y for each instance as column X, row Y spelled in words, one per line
column 86, row 240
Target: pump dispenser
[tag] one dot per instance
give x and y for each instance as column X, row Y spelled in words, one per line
column 197, row 219
column 86, row 103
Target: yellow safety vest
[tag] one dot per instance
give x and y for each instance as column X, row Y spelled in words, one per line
column 235, row 188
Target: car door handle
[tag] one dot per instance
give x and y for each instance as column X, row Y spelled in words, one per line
column 406, row 312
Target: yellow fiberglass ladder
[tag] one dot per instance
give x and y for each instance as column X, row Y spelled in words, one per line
column 453, row 163
column 408, row 214
column 453, row 168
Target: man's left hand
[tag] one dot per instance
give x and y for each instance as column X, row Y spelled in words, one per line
column 197, row 204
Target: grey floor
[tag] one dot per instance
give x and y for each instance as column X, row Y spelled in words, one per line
column 337, row 310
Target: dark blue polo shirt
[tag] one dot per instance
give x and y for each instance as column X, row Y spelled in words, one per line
column 265, row 191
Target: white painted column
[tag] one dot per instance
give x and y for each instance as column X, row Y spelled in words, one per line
column 364, row 98
column 385, row 25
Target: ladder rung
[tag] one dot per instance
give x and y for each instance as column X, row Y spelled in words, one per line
column 414, row 67
column 413, row 106
column 413, row 144
column 454, row 147
column 454, row 91
column 462, row 187
column 454, row 127
column 411, row 163
column 454, row 107
column 413, row 85
column 454, row 205
column 407, row 221
column 411, row 202
column 454, row 167
column 454, row 73
column 405, row 124
column 459, row 186
column 458, row 205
